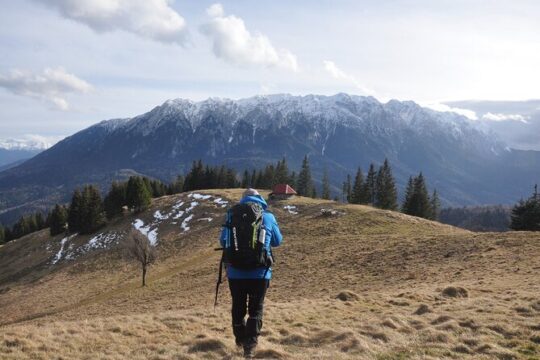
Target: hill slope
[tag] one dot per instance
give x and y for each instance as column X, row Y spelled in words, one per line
column 81, row 299
column 339, row 133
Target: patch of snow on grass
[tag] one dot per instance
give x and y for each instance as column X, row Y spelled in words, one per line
column 63, row 242
column 205, row 219
column 138, row 224
column 178, row 205
column 185, row 223
column 100, row 241
column 69, row 253
column 221, row 202
column 178, row 215
column 199, row 196
column 159, row 216
column 291, row 209
column 192, row 206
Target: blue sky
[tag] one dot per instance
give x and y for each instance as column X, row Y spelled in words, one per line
column 66, row 64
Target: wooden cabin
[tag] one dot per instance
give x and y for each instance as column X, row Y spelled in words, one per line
column 282, row 192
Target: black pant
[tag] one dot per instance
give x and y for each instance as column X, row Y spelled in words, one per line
column 247, row 294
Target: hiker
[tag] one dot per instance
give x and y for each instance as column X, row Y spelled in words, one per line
column 249, row 233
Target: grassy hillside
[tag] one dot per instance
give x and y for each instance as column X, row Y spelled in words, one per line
column 366, row 284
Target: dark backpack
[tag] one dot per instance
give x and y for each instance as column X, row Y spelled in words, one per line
column 244, row 246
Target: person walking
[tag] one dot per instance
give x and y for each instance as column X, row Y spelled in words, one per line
column 247, row 238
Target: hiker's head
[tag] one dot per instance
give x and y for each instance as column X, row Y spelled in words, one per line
column 250, row 192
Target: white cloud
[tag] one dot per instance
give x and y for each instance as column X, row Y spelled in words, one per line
column 30, row 142
column 445, row 108
column 51, row 85
column 153, row 19
column 232, row 42
column 341, row 75
column 505, row 117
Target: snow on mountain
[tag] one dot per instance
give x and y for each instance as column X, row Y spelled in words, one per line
column 29, row 142
column 324, row 113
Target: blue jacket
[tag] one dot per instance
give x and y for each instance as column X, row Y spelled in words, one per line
column 273, row 239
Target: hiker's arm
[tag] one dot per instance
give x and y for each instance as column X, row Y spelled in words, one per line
column 277, row 238
column 223, row 236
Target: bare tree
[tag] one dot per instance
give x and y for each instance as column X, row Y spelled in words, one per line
column 139, row 248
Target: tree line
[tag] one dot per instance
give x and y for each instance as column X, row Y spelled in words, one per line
column 478, row 218
column 526, row 213
column 523, row 216
column 88, row 211
column 25, row 225
column 378, row 188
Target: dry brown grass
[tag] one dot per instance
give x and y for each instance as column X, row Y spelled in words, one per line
column 385, row 265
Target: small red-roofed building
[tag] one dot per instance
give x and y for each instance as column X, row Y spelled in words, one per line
column 282, row 192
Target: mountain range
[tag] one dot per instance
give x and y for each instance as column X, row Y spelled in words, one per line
column 465, row 162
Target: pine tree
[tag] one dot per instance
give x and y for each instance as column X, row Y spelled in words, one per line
column 58, row 220
column 156, row 187
column 253, row 179
column 8, row 234
column 268, row 177
column 230, row 179
column 347, row 189
column 305, row 183
column 435, row 205
column 212, row 179
column 2, row 235
column 195, row 177
column 221, row 177
column 20, row 228
column 93, row 213
column 292, row 180
column 115, row 200
column 358, row 188
column 31, row 224
column 282, row 172
column 386, row 192
column 75, row 213
column 246, row 180
column 177, row 186
column 370, row 185
column 419, row 202
column 259, row 183
column 526, row 214
column 325, row 186
column 137, row 194
column 40, row 222
column 406, row 206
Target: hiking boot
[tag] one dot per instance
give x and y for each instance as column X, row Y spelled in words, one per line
column 249, row 351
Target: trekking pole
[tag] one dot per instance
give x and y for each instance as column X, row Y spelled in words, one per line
column 220, row 273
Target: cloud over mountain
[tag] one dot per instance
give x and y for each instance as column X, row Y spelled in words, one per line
column 234, row 43
column 152, row 19
column 341, row 75
column 504, row 117
column 52, row 85
column 470, row 114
